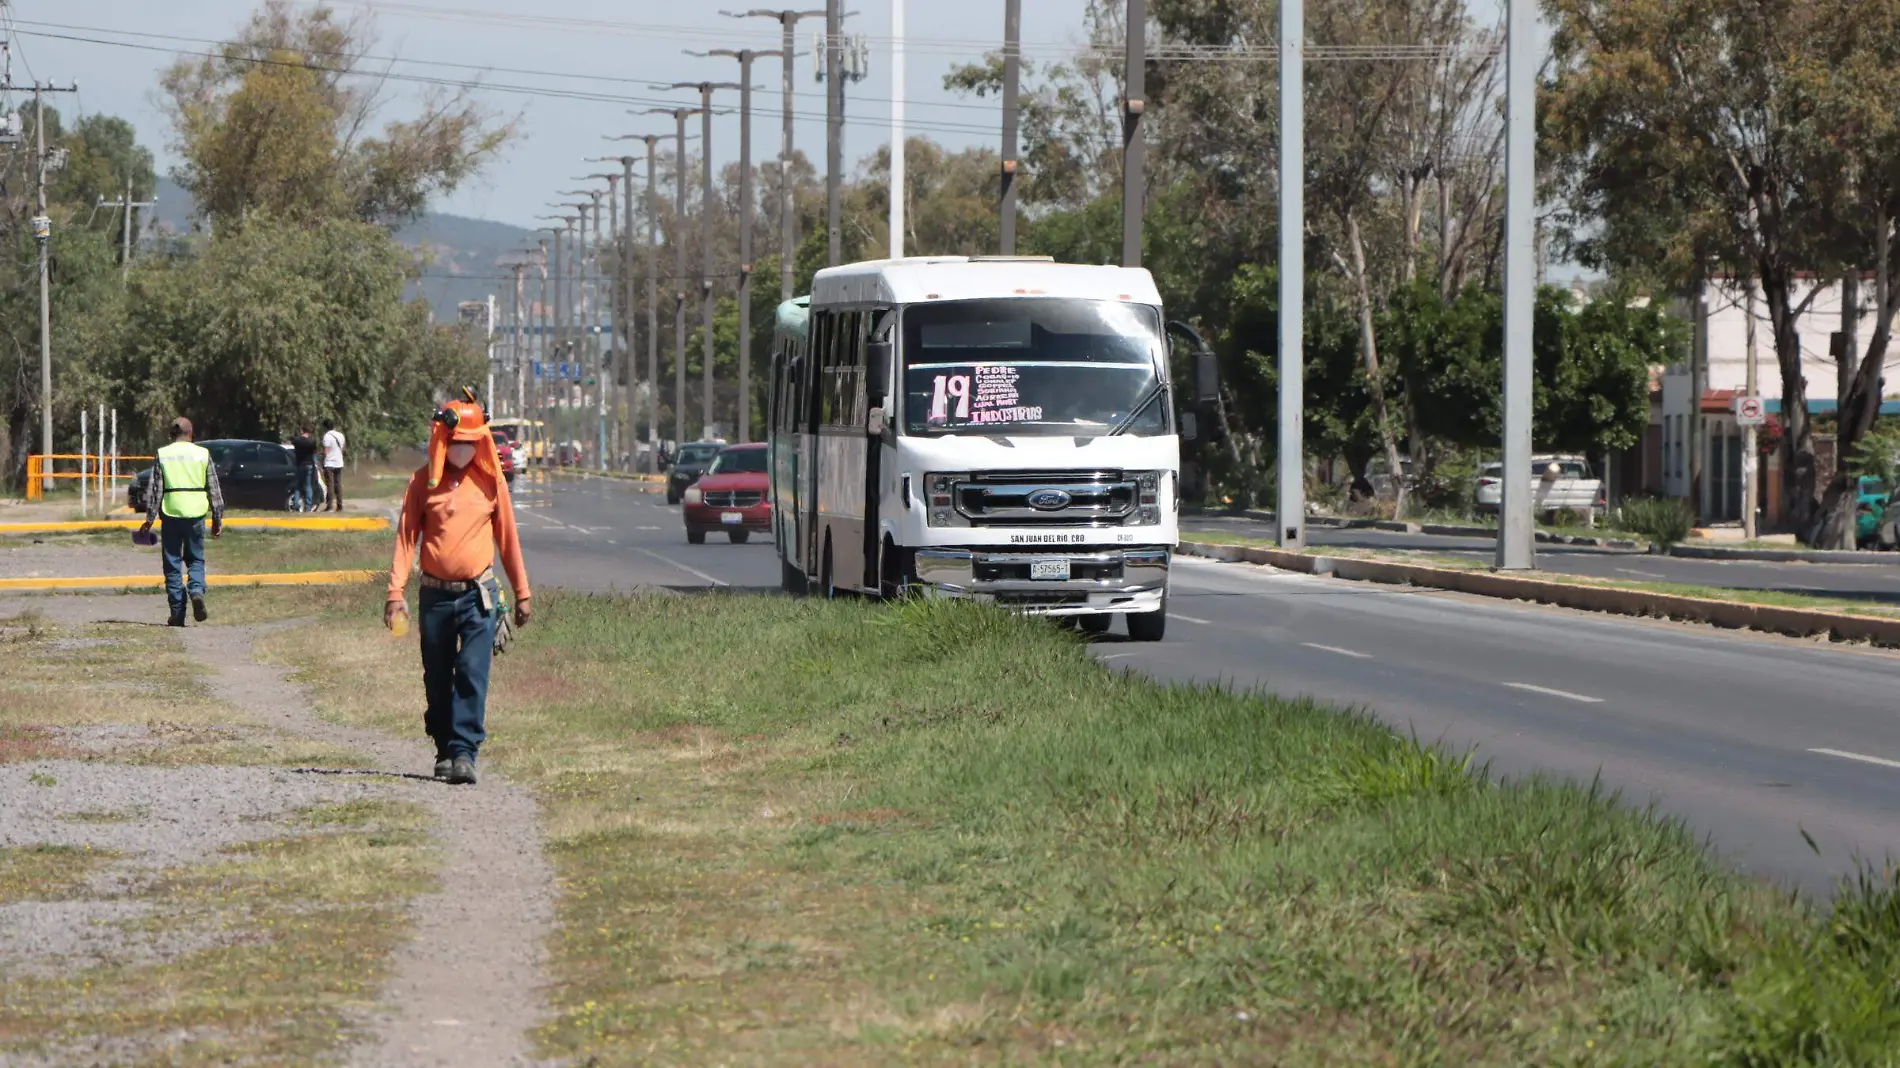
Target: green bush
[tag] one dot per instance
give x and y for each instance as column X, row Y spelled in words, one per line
column 1663, row 520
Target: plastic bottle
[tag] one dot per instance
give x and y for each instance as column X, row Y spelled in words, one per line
column 399, row 625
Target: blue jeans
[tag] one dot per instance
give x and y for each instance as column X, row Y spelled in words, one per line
column 303, row 494
column 458, row 642
column 183, row 544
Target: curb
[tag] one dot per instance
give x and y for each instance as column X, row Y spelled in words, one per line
column 139, row 582
column 1443, row 530
column 1783, row 556
column 1792, row 622
column 365, row 523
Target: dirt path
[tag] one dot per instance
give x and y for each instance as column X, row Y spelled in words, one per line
column 470, row 988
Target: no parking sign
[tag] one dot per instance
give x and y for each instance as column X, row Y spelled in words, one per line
column 1749, row 411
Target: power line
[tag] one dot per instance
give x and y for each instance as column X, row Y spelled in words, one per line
column 543, row 92
column 365, row 57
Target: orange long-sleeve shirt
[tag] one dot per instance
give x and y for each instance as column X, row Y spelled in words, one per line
column 458, row 525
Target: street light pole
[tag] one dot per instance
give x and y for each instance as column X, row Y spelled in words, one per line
column 680, row 115
column 1290, row 510
column 707, row 251
column 745, row 58
column 788, row 206
column 1012, row 75
column 1516, row 529
column 1134, row 148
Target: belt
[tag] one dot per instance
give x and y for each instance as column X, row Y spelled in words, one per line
column 430, row 582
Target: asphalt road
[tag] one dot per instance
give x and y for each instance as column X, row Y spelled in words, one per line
column 1874, row 583
column 1750, row 739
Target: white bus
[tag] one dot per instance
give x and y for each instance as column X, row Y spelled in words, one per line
column 1000, row 428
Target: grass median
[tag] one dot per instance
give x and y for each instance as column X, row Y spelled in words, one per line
column 804, row 832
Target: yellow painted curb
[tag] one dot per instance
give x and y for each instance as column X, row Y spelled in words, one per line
column 121, row 582
column 363, row 523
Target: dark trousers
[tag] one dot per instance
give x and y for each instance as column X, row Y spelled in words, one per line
column 182, row 542
column 333, row 485
column 458, row 641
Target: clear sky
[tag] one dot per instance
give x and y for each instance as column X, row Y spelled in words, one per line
column 611, row 48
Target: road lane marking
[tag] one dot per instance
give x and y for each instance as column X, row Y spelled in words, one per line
column 1862, row 757
column 697, row 573
column 1190, row 619
column 1355, row 654
column 1113, row 656
column 1565, row 694
column 1644, row 574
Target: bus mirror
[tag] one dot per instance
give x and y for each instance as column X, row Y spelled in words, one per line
column 1205, row 365
column 877, row 363
column 874, row 423
column 1190, row 427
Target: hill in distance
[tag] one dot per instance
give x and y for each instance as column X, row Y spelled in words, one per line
column 458, row 254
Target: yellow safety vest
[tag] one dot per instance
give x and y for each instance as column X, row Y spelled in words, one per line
column 186, row 468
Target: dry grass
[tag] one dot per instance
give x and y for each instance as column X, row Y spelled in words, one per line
column 294, row 937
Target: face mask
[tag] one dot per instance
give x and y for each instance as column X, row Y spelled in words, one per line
column 460, row 454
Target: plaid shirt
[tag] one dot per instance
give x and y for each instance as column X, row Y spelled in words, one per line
column 155, row 493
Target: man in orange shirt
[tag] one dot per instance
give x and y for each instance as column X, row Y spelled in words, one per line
column 458, row 513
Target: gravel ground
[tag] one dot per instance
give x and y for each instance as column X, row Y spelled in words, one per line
column 468, row 992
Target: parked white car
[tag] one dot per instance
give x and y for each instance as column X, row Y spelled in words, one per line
column 1557, row 482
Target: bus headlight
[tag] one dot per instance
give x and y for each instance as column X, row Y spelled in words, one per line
column 940, row 501
column 1147, row 498
column 693, row 495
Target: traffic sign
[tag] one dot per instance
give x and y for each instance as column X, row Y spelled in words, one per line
column 1749, row 411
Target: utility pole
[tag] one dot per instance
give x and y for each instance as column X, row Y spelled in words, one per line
column 609, row 364
column 706, row 250
column 1134, row 149
column 680, row 115
column 628, row 368
column 1290, row 512
column 544, row 309
column 1516, row 527
column 127, row 204
column 899, row 88
column 560, row 311
column 653, row 290
column 788, row 206
column 1749, row 487
column 43, row 163
column 520, row 349
column 1012, row 77
column 834, row 131
column 745, row 58
column 590, row 314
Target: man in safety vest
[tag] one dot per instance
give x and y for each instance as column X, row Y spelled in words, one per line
column 184, row 489
column 457, row 517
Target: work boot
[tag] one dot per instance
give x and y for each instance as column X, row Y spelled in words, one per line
column 462, row 772
column 175, row 621
column 443, row 767
column 198, row 609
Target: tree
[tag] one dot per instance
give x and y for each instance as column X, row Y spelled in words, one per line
column 280, row 323
column 1753, row 138
column 280, row 121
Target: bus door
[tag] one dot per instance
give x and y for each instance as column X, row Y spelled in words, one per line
column 878, row 436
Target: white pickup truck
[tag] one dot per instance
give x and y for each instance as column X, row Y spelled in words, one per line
column 1557, row 482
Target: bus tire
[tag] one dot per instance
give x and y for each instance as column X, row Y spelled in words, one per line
column 791, row 579
column 1149, row 626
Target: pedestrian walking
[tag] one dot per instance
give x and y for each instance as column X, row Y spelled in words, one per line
column 333, row 443
column 184, row 490
column 303, row 448
column 456, row 515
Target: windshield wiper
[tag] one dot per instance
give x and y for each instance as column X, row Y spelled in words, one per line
column 1154, row 393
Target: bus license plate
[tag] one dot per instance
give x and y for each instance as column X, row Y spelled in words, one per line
column 732, row 519
column 1049, row 570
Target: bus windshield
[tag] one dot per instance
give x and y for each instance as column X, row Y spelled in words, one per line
column 1033, row 366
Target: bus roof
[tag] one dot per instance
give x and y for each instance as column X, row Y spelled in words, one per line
column 918, row 279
